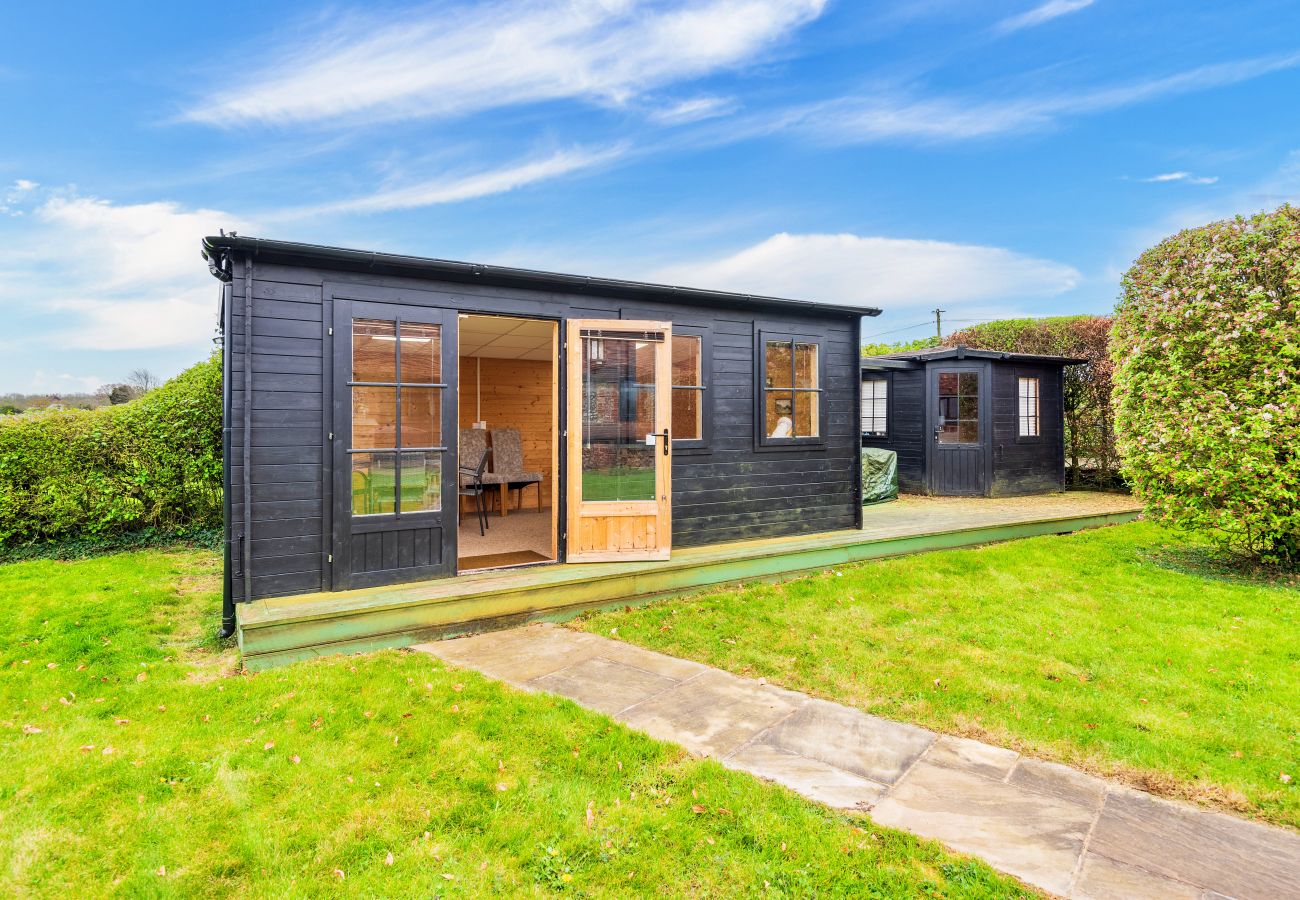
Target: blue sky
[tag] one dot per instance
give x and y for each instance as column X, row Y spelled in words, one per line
column 992, row 158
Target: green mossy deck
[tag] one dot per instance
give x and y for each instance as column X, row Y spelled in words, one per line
column 287, row 629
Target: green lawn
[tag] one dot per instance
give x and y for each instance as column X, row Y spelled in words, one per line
column 1116, row 650
column 135, row 760
column 618, row 483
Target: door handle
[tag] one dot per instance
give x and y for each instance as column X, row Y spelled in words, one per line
column 665, row 442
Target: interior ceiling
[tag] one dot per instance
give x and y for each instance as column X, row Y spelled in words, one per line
column 497, row 337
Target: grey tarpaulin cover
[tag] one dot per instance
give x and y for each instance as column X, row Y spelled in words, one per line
column 879, row 475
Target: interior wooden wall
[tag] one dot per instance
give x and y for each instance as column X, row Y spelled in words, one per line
column 516, row 393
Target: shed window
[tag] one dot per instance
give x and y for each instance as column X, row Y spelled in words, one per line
column 875, row 405
column 959, row 408
column 688, row 387
column 1028, row 406
column 791, row 390
column 396, row 445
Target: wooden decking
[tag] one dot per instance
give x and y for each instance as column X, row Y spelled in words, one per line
column 286, row 629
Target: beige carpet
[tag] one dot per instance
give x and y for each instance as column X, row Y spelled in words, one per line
column 522, row 530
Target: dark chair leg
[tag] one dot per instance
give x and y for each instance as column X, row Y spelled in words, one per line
column 482, row 514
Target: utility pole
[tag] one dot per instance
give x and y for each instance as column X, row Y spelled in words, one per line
column 938, row 322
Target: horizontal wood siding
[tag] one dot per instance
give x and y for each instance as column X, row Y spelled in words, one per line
column 723, row 492
column 1027, row 465
column 905, row 429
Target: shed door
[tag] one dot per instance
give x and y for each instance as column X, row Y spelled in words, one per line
column 394, row 516
column 619, row 449
column 959, row 424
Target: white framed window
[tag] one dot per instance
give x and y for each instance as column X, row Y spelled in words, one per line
column 875, row 406
column 1028, row 407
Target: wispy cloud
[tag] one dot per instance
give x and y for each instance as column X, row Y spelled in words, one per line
column 889, row 116
column 442, row 63
column 1046, row 12
column 693, row 110
column 96, row 275
column 1185, row 177
column 867, row 270
column 458, row 188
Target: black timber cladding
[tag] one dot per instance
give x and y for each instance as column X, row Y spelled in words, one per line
column 1014, row 465
column 725, row 491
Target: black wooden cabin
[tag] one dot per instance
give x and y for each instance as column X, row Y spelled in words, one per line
column 648, row 415
column 968, row 422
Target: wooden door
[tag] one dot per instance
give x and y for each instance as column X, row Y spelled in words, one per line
column 959, row 422
column 619, row 450
column 394, row 443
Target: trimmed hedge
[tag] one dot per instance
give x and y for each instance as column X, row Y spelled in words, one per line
column 1090, row 453
column 1207, row 345
column 154, row 462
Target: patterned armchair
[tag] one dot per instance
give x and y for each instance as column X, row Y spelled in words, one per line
column 508, row 467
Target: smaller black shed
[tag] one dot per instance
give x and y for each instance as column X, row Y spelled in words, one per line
column 968, row 422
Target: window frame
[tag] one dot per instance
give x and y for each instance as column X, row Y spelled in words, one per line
column 887, row 379
column 703, row 443
column 1037, row 376
column 762, row 336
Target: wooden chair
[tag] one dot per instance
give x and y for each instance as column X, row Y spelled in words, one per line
column 508, row 467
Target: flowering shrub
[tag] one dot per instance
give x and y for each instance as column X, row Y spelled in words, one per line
column 1090, row 454
column 1207, row 348
column 154, row 462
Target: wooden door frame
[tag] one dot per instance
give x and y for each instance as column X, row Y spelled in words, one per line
column 572, row 492
column 932, row 446
column 344, row 299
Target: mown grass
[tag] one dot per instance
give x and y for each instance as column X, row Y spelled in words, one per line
column 136, row 760
column 1128, row 651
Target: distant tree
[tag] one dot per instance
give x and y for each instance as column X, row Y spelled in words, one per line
column 120, row 393
column 8, row 409
column 143, row 381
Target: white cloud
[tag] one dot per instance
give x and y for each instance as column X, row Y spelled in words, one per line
column 443, row 63
column 693, row 110
column 454, row 189
column 882, row 117
column 1052, row 9
column 1187, row 177
column 877, row 271
column 43, row 382
column 101, row 276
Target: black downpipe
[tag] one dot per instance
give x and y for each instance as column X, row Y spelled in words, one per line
column 248, row 429
column 227, row 629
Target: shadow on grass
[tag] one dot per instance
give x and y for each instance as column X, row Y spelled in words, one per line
column 1220, row 564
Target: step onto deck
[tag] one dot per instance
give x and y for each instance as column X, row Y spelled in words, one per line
column 283, row 630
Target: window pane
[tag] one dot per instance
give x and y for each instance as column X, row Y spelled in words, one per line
column 618, row 395
column 778, row 364
column 421, row 481
column 686, row 415
column 805, row 366
column 421, row 417
column 421, row 353
column 970, row 383
column 948, row 383
column 805, row 414
column 969, row 432
column 948, row 408
column 969, row 408
column 875, row 400
column 779, row 417
column 374, row 417
column 374, row 350
column 686, row 360
column 373, row 484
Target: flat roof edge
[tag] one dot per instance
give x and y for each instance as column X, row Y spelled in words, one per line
column 452, row 270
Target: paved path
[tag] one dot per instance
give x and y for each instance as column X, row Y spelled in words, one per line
column 1063, row 831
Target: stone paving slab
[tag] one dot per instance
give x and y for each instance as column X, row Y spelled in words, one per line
column 1056, row 828
column 1033, row 836
column 814, row 779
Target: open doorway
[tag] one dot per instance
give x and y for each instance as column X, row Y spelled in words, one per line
column 508, row 406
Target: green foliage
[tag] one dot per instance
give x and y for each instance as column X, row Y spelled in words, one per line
column 1207, row 344
column 154, row 462
column 883, row 349
column 1090, row 451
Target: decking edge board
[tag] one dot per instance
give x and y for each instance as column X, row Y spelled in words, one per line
column 283, row 641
